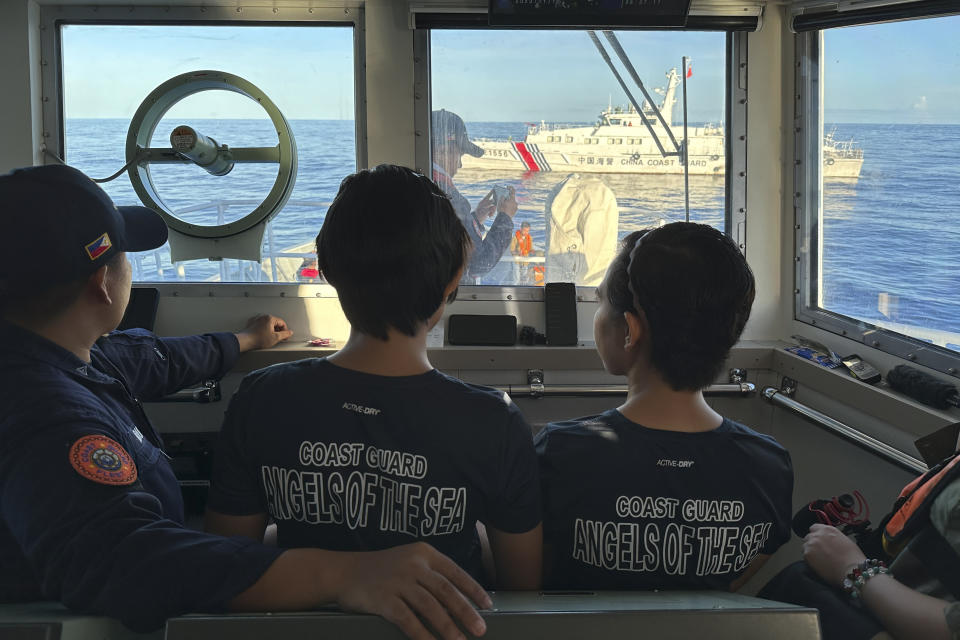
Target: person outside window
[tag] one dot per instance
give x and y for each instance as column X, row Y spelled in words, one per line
column 522, row 243
column 449, row 142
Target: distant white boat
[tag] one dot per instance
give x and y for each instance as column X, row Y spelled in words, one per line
column 620, row 143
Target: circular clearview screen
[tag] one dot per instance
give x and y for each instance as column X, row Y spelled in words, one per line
column 189, row 191
column 216, row 177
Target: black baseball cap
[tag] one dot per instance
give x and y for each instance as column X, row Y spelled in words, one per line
column 446, row 126
column 61, row 226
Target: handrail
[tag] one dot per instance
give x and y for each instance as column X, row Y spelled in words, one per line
column 847, row 432
column 563, row 390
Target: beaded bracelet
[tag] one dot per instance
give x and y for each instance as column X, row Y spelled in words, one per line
column 858, row 577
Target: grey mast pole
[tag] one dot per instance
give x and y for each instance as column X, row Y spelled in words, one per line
column 686, row 148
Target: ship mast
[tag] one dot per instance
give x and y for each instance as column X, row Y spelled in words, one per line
column 625, row 60
column 670, row 96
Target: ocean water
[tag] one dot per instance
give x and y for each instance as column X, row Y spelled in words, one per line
column 889, row 238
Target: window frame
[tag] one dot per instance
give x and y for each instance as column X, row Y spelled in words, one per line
column 735, row 135
column 808, row 213
column 54, row 17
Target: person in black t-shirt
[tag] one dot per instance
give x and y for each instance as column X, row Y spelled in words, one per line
column 373, row 447
column 663, row 492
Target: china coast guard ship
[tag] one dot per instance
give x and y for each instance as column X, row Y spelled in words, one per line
column 620, row 142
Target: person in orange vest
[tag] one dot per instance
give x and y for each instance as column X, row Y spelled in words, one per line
column 522, row 243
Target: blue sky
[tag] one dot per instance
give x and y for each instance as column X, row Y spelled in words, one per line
column 897, row 72
column 306, row 71
column 902, row 72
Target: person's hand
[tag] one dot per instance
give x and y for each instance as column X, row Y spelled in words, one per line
column 262, row 332
column 509, row 204
column 830, row 553
column 486, row 208
column 414, row 579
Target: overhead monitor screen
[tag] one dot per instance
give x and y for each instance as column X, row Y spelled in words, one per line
column 589, row 13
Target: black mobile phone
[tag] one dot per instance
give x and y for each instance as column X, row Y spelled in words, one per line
column 861, row 370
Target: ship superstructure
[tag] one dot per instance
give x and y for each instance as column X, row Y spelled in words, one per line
column 620, row 142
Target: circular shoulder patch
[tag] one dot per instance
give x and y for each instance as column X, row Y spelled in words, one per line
column 102, row 460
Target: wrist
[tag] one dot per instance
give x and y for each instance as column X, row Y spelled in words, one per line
column 245, row 341
column 845, row 570
column 860, row 575
column 329, row 572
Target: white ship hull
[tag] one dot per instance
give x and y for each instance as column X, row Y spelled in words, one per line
column 626, row 141
column 525, row 156
column 707, row 156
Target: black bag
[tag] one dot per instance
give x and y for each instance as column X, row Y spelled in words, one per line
column 840, row 618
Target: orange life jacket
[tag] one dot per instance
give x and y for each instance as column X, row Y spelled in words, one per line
column 525, row 242
column 911, row 511
column 909, row 525
column 538, row 275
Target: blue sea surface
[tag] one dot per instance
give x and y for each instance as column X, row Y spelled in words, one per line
column 894, row 231
column 889, row 238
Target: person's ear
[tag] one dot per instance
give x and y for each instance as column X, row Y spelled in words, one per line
column 636, row 332
column 99, row 285
column 451, row 288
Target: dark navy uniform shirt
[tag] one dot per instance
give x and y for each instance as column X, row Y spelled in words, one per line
column 114, row 548
column 628, row 507
column 350, row 461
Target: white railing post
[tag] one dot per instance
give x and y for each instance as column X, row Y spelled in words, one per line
column 272, row 253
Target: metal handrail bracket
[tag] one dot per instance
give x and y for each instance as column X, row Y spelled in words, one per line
column 845, row 431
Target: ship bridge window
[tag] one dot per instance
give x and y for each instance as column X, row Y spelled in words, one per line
column 307, row 72
column 880, row 186
column 474, row 73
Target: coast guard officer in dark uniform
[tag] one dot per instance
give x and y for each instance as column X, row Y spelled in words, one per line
column 90, row 511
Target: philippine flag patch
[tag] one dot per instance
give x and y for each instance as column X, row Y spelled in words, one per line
column 102, row 460
column 99, row 247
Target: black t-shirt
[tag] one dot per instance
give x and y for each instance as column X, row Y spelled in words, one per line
column 628, row 507
column 350, row 461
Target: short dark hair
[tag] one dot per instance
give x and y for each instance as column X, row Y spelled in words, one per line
column 696, row 290
column 390, row 243
column 39, row 304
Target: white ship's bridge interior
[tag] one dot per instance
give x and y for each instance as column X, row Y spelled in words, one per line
column 822, row 137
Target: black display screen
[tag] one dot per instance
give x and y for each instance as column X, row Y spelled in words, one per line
column 589, row 13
